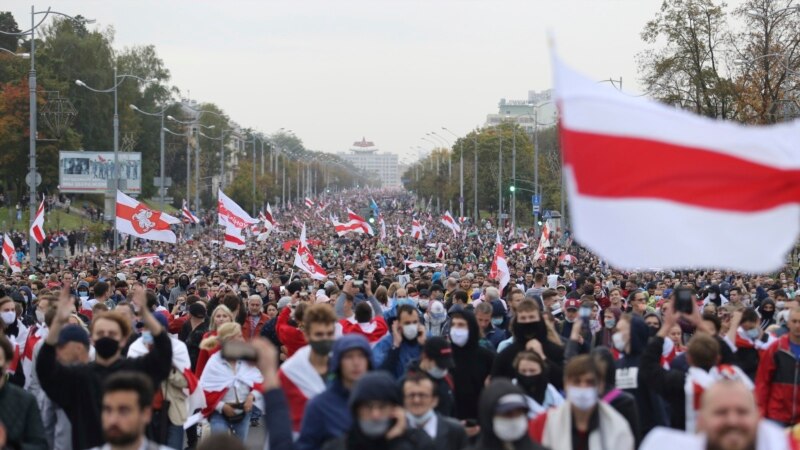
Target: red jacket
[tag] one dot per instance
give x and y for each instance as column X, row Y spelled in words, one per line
column 205, row 354
column 377, row 327
column 777, row 379
column 176, row 324
column 248, row 331
column 291, row 337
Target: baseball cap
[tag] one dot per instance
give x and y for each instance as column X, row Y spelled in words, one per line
column 510, row 402
column 572, row 303
column 438, row 349
column 263, row 281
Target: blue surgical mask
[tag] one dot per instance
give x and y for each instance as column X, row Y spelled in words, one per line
column 497, row 321
column 147, row 337
column 753, row 333
column 405, row 301
column 610, row 323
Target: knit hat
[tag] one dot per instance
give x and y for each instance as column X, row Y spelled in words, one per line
column 73, row 333
column 374, row 386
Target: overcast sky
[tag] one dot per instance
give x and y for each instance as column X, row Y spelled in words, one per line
column 333, row 71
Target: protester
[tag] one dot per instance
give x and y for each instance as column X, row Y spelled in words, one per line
column 504, row 418
column 420, row 400
column 776, row 381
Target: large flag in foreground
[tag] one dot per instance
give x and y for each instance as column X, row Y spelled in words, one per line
column 138, row 220
column 652, row 186
column 304, row 260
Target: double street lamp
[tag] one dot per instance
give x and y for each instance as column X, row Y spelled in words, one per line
column 194, row 125
column 111, row 193
column 161, row 188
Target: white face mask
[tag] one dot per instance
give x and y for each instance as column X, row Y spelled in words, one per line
column 459, row 336
column 437, row 372
column 619, row 341
column 8, row 317
column 410, row 331
column 584, row 398
column 39, row 316
column 510, row 430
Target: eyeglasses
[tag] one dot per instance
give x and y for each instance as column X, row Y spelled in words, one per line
column 419, row 395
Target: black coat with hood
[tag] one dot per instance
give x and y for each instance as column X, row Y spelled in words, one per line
column 473, row 365
column 382, row 387
column 488, row 403
column 622, row 401
column 631, row 380
column 504, row 362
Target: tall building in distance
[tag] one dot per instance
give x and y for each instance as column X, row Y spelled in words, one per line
column 364, row 155
column 538, row 105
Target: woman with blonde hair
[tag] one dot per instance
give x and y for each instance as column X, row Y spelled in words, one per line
column 221, row 315
column 229, row 385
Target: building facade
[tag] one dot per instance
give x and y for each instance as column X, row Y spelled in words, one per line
column 364, row 156
column 538, row 107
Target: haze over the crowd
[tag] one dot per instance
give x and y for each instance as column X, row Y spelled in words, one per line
column 334, row 71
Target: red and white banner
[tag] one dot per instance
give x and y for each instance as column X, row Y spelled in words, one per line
column 187, row 214
column 348, row 227
column 145, row 259
column 37, row 227
column 416, row 229
column 676, row 190
column 228, row 212
column 353, row 217
column 234, row 238
column 309, row 202
column 217, row 378
column 499, row 269
column 136, row 219
column 544, row 242
column 440, row 252
column 415, row 264
column 399, row 230
column 567, row 260
column 304, row 260
column 449, row 222
column 518, row 246
column 10, row 254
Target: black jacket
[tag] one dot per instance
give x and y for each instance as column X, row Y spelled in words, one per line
column 444, row 392
column 411, row 439
column 622, row 401
column 450, row 435
column 78, row 389
column 504, row 362
column 473, row 365
column 667, row 383
column 21, row 418
column 631, row 379
column 488, row 402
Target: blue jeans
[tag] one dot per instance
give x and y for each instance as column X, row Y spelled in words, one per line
column 219, row 425
column 175, row 436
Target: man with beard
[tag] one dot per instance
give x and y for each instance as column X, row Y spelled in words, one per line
column 728, row 420
column 126, row 412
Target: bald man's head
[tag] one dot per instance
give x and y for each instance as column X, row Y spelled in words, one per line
column 728, row 416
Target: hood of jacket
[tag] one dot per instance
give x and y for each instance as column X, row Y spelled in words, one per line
column 344, row 344
column 639, row 335
column 486, row 407
column 374, row 386
column 474, row 330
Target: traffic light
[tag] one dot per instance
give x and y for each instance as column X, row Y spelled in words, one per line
column 512, row 188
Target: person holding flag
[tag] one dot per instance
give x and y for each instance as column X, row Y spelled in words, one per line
column 305, row 261
column 188, row 215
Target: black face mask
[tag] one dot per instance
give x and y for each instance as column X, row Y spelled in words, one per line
column 534, row 385
column 184, row 283
column 531, row 330
column 106, row 347
column 322, row 347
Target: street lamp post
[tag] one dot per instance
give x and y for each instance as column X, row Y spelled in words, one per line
column 461, row 175
column 475, row 182
column 161, row 187
column 32, row 132
column 196, row 125
column 111, row 194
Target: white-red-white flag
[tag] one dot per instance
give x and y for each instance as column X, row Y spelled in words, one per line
column 309, row 202
column 234, row 238
column 518, row 246
column 415, row 264
column 440, row 252
column 228, row 212
column 544, row 242
column 567, row 259
column 188, row 215
column 304, row 260
column 269, row 219
column 10, row 254
column 137, row 219
column 37, row 227
column 399, row 229
column 499, row 269
column 416, row 229
column 449, row 222
column 145, row 259
column 353, row 217
column 731, row 192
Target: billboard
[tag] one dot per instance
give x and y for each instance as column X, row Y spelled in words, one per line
column 90, row 172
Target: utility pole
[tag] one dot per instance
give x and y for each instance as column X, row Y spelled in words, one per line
column 475, row 182
column 513, row 181
column 500, row 183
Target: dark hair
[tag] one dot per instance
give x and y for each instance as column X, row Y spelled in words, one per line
column 549, row 293
column 232, row 301
column 405, row 309
column 579, row 366
column 735, row 288
column 152, row 299
column 713, row 319
column 131, row 381
column 363, row 312
column 703, row 351
column 750, row 315
column 418, row 376
column 460, row 295
column 100, row 288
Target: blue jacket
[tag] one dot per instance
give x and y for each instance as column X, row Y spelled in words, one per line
column 394, row 361
column 326, row 417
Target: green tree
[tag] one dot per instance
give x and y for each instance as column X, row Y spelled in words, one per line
column 9, row 25
column 688, row 70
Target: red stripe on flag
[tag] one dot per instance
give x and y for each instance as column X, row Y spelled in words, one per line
column 37, row 231
column 624, row 167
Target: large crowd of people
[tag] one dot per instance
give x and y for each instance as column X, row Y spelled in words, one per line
column 409, row 342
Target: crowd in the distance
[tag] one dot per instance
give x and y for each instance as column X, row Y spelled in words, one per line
column 399, row 347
